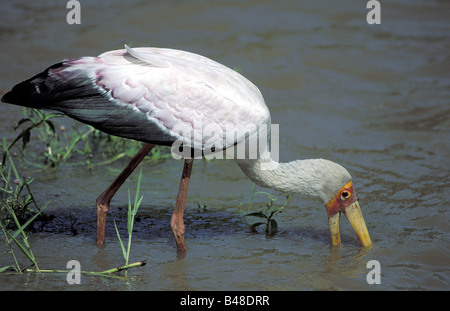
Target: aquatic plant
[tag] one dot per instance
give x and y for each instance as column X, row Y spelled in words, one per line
column 267, row 212
column 16, row 200
column 132, row 211
column 19, row 209
column 37, row 119
column 16, row 197
column 80, row 144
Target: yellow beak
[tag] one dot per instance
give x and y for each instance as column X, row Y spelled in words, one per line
column 356, row 219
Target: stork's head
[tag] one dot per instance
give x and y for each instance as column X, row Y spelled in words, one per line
column 345, row 201
column 339, row 196
column 331, row 183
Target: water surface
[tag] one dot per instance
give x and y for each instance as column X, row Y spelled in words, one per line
column 374, row 98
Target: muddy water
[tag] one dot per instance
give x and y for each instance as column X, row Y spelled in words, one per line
column 374, row 98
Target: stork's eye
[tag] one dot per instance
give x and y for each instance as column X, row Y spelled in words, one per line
column 345, row 195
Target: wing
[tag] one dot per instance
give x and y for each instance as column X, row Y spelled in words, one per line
column 150, row 94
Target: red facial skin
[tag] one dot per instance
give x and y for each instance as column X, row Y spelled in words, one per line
column 345, row 197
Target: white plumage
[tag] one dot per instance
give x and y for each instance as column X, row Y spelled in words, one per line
column 178, row 89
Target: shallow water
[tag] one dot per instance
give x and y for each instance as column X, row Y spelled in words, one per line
column 374, row 98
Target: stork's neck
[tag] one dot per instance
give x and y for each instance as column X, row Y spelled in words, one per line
column 318, row 178
column 300, row 176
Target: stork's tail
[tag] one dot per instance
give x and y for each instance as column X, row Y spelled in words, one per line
column 36, row 92
column 49, row 88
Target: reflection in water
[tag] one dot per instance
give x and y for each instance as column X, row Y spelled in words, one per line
column 176, row 273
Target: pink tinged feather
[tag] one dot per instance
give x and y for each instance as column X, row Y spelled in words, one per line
column 184, row 94
column 133, row 82
column 162, row 115
column 143, row 105
column 128, row 94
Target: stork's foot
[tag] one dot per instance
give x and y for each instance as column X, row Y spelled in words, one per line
column 178, row 232
column 177, row 223
column 102, row 211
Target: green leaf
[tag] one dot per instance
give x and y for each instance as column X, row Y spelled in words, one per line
column 5, row 268
column 272, row 227
column 51, row 126
column 253, row 227
column 275, row 210
column 53, row 115
column 257, row 214
column 22, row 121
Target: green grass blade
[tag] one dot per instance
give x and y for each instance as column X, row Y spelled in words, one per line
column 138, row 187
column 5, row 268
column 21, row 228
column 24, row 250
column 120, row 241
column 131, row 265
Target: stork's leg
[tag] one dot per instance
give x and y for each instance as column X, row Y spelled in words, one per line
column 177, row 223
column 104, row 199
